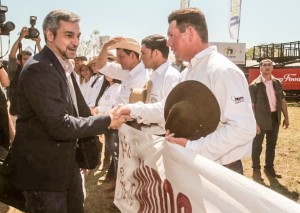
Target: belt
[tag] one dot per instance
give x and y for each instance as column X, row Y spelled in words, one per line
column 136, row 125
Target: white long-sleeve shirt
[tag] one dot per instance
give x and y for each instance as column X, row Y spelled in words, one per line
column 232, row 140
column 135, row 78
column 164, row 79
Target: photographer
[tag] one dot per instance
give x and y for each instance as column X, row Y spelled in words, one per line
column 15, row 65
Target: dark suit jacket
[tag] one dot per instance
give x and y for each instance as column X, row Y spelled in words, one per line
column 43, row 152
column 260, row 100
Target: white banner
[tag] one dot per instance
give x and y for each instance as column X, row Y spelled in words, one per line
column 157, row 176
column 235, row 18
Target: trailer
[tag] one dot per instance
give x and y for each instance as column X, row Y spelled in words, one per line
column 286, row 57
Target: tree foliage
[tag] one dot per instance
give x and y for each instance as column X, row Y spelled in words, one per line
column 90, row 47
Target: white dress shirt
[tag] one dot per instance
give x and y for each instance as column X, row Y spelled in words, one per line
column 233, row 138
column 135, row 78
column 164, row 79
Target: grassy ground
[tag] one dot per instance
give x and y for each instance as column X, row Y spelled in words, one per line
column 287, row 159
column 287, row 163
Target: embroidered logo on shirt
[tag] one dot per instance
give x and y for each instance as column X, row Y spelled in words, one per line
column 237, row 99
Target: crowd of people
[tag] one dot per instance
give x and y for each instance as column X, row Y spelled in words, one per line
column 44, row 98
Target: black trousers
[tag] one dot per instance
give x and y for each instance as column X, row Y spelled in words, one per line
column 67, row 201
column 271, row 141
column 112, row 143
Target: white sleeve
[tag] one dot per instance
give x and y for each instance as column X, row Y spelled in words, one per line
column 113, row 70
column 148, row 113
column 237, row 127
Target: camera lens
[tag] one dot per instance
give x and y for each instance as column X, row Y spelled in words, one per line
column 34, row 33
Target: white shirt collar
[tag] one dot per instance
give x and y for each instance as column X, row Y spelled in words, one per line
column 66, row 64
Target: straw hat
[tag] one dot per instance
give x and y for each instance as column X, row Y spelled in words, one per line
column 129, row 44
column 191, row 110
column 92, row 61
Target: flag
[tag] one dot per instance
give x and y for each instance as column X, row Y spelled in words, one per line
column 184, row 4
column 155, row 175
column 235, row 18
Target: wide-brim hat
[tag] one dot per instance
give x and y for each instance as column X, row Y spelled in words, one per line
column 93, row 61
column 129, row 44
column 191, row 110
column 83, row 58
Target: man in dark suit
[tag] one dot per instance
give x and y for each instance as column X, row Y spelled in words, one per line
column 268, row 101
column 43, row 162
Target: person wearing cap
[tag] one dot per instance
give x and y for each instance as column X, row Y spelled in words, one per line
column 129, row 70
column 232, row 140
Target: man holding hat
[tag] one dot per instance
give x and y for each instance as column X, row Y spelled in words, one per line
column 232, row 140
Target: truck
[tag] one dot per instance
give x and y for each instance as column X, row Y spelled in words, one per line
column 286, row 57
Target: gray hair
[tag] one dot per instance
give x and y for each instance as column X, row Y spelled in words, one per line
column 52, row 20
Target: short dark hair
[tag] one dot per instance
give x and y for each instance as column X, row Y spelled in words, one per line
column 157, row 42
column 52, row 20
column 190, row 17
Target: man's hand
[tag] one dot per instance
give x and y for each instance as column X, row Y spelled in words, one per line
column 121, row 110
column 37, row 40
column 258, row 131
column 94, row 111
column 116, row 123
column 285, row 123
column 180, row 141
column 113, row 41
column 24, row 32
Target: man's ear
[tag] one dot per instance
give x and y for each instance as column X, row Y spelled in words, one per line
column 49, row 35
column 191, row 31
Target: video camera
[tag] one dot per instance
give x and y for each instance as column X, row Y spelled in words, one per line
column 32, row 31
column 8, row 26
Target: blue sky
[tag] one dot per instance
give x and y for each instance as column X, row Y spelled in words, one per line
column 262, row 21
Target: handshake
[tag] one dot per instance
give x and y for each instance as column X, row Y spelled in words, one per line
column 119, row 115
